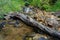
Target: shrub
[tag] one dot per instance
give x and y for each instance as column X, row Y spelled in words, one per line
column 10, row 5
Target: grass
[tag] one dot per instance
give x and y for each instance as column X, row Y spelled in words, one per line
column 10, row 5
column 45, row 4
column 16, row 5
column 56, row 7
column 7, row 6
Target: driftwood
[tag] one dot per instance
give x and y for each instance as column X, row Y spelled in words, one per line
column 31, row 22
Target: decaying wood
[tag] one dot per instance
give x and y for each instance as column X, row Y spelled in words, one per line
column 33, row 23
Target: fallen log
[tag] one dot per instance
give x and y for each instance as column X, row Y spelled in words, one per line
column 33, row 23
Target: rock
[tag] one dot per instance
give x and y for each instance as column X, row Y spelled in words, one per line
column 2, row 25
column 28, row 10
column 42, row 38
column 10, row 15
column 10, row 23
column 52, row 22
column 7, row 17
column 16, row 24
column 57, row 13
column 51, row 38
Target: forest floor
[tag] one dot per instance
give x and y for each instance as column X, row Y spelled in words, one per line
column 18, row 33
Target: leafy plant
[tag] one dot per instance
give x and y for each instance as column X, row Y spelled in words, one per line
column 10, row 5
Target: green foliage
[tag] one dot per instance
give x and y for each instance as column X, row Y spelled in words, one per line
column 56, row 7
column 42, row 4
column 11, row 5
column 15, row 5
column 52, row 2
column 48, row 5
